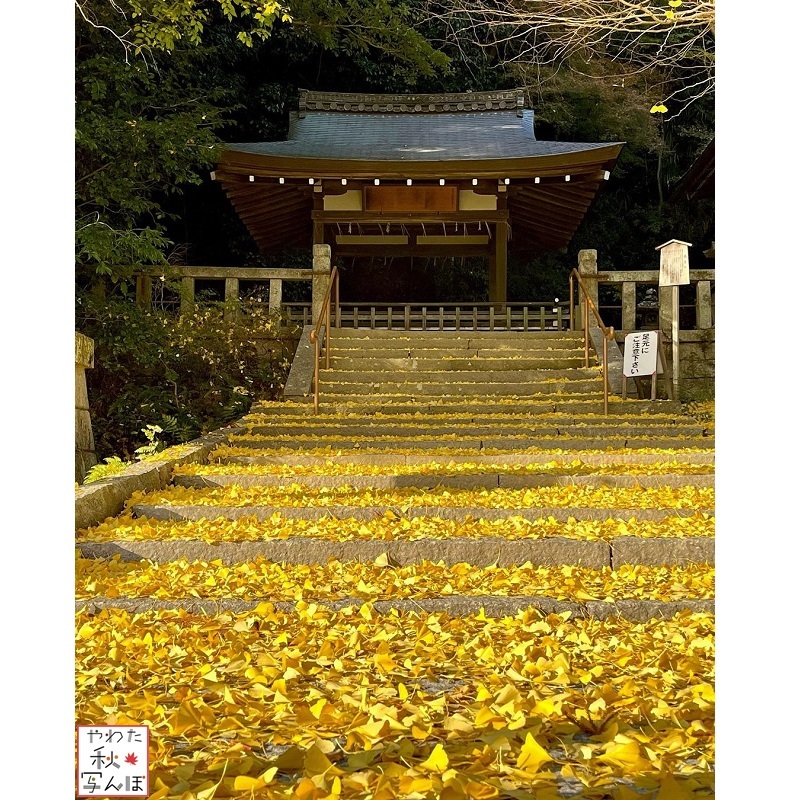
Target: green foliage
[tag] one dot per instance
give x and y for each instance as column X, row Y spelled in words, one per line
column 154, row 444
column 110, row 466
column 174, row 377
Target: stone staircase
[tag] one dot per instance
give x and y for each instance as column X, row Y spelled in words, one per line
column 458, row 485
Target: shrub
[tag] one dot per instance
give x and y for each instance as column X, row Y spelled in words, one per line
column 185, row 374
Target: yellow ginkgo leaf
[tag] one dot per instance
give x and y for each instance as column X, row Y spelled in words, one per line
column 437, row 761
column 246, row 782
column 532, row 755
column 628, row 756
column 675, row 3
column 672, row 790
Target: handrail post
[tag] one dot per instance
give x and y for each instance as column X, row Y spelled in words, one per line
column 605, row 374
column 328, row 335
column 585, row 332
column 316, row 375
column 571, row 302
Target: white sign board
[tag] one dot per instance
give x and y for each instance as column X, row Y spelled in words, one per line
column 641, row 354
column 674, row 269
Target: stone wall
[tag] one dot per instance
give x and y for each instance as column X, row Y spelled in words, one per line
column 85, row 457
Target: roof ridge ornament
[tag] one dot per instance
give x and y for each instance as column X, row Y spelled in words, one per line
column 368, row 103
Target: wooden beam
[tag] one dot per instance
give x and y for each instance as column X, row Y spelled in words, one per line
column 413, row 251
column 332, row 217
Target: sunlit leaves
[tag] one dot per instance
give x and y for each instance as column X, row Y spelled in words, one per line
column 390, row 526
column 261, row 578
column 298, row 496
column 278, row 703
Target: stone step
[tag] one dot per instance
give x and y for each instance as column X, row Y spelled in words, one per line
column 414, row 377
column 477, row 551
column 485, row 443
column 364, row 513
column 375, row 404
column 469, row 430
column 449, row 364
column 508, row 459
column 453, row 605
column 554, row 349
column 487, row 481
column 330, row 387
column 523, row 417
column 420, row 335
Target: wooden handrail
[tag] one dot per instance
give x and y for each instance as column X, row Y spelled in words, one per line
column 324, row 316
column 608, row 333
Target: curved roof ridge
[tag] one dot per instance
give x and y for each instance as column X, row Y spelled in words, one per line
column 354, row 102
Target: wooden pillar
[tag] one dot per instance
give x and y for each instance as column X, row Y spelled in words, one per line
column 275, row 295
column 231, row 297
column 629, row 305
column 144, row 291
column 703, row 305
column 187, row 295
column 498, row 266
column 668, row 306
column 587, row 269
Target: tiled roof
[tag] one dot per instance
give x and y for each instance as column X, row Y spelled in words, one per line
column 413, row 137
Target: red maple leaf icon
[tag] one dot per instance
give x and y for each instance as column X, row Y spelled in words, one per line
column 131, row 758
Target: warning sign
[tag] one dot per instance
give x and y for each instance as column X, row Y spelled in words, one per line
column 641, row 354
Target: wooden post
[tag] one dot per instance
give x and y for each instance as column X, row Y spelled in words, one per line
column 85, row 457
column 628, row 306
column 231, row 297
column 275, row 295
column 676, row 361
column 703, row 305
column 187, row 295
column 498, row 267
column 144, row 291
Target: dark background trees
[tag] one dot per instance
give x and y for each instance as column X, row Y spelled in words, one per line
column 160, row 84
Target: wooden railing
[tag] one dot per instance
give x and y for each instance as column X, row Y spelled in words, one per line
column 318, row 338
column 608, row 333
column 536, row 316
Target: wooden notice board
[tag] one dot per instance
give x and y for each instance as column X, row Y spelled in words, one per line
column 410, row 198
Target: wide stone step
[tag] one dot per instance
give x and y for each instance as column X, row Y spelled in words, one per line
column 374, row 404
column 364, row 513
column 480, row 552
column 487, row 481
column 424, row 335
column 470, row 430
column 449, row 364
column 400, row 389
column 483, row 417
column 395, row 377
column 488, row 443
column 503, row 351
column 452, row 606
column 508, row 460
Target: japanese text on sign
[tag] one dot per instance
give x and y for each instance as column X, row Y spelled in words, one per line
column 113, row 761
column 641, row 354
